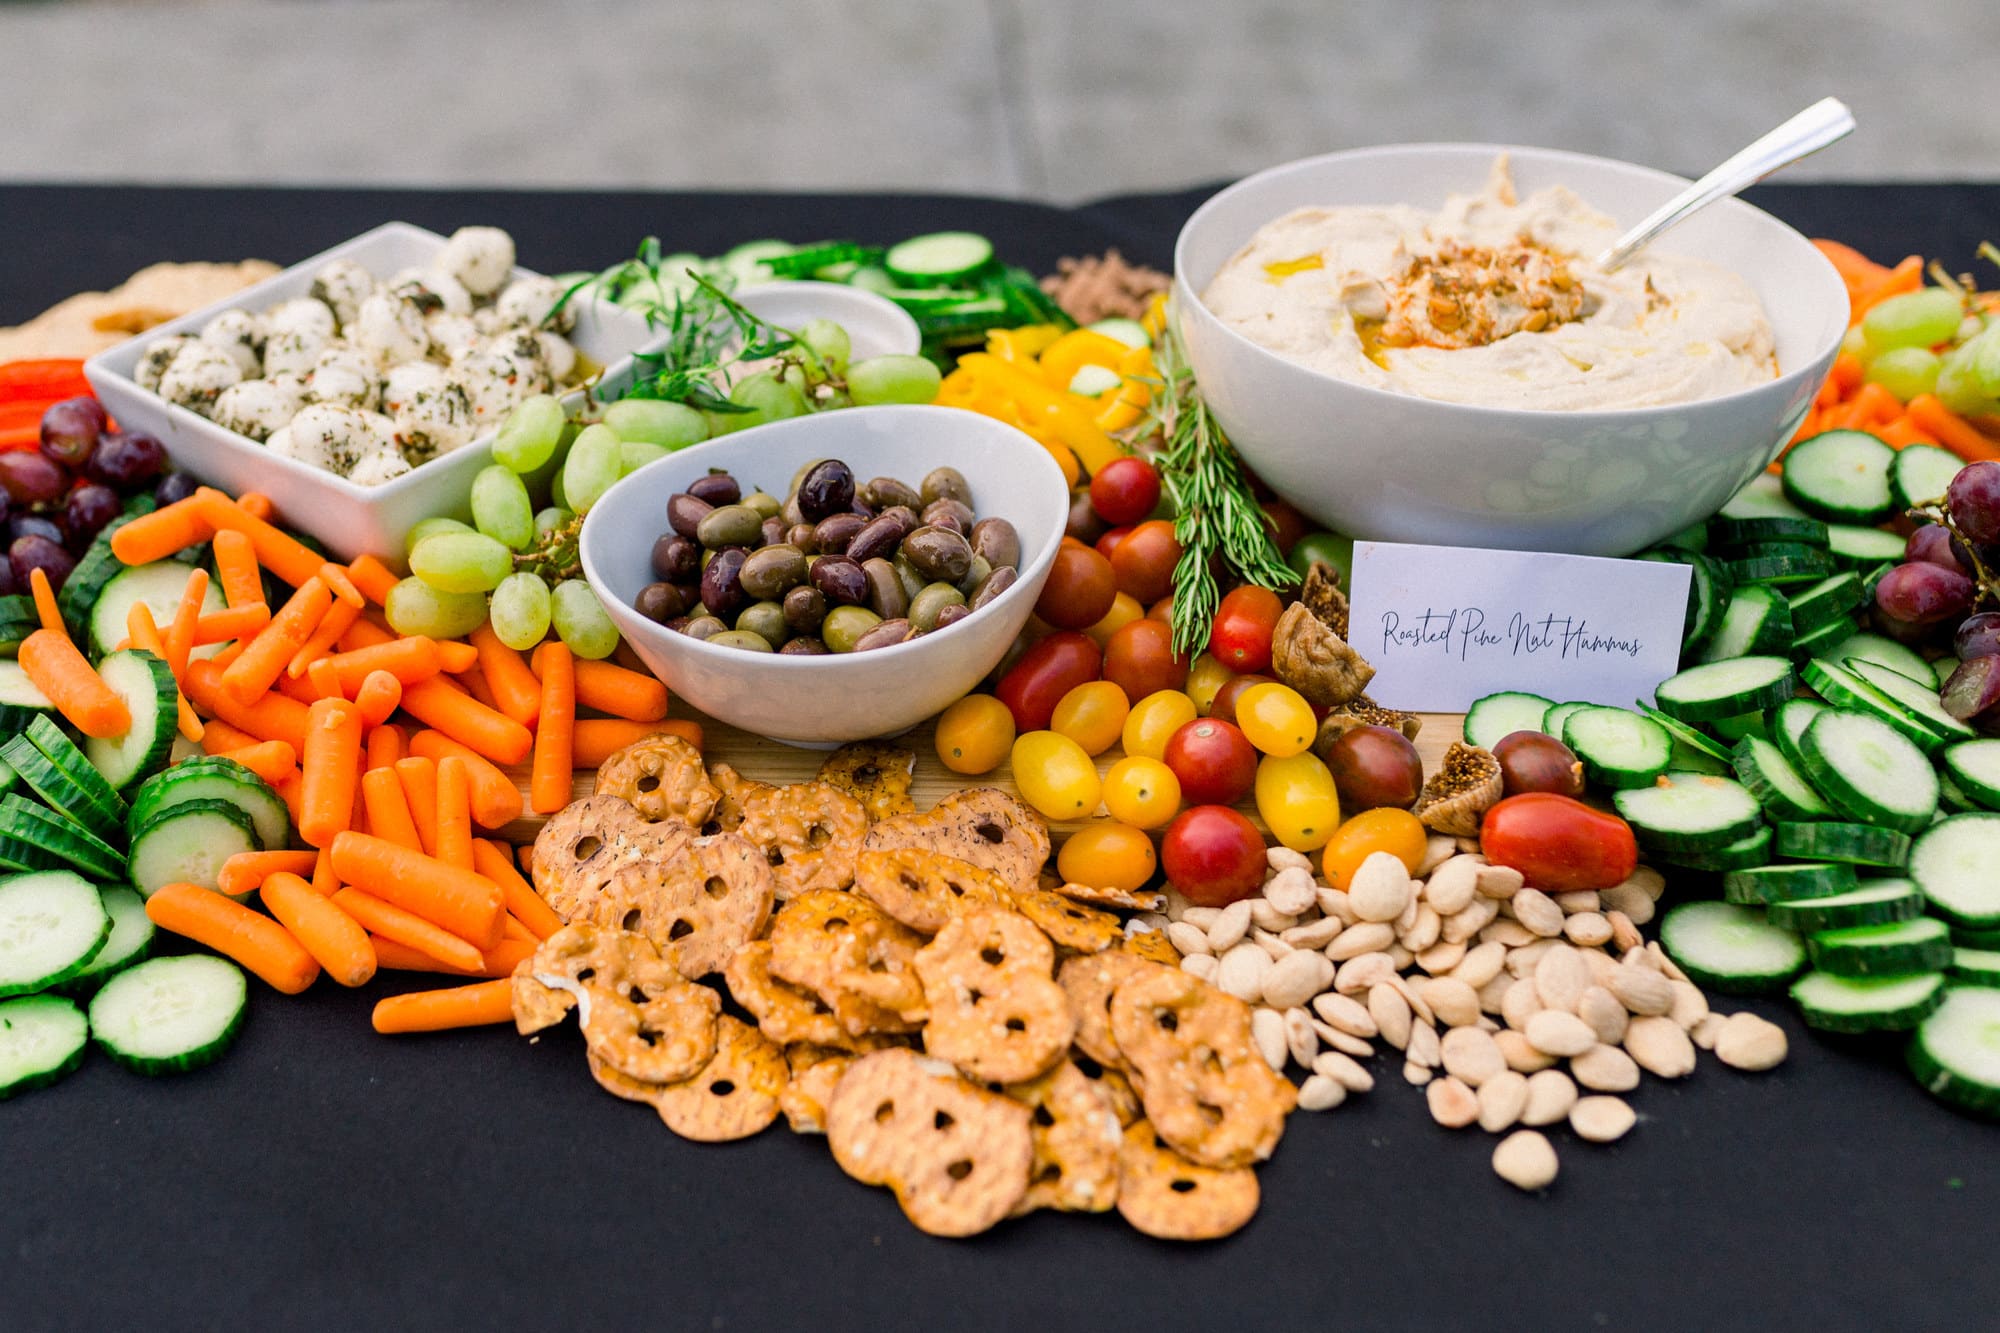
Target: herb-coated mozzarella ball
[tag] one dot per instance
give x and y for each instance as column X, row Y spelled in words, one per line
column 432, row 413
column 257, row 408
column 303, row 314
column 481, row 258
column 432, row 289
column 239, row 333
column 338, row 438
column 153, row 362
column 293, row 351
column 529, row 300
column 345, row 377
column 198, row 376
column 499, row 372
column 487, row 320
column 390, row 328
column 279, row 442
column 342, row 284
column 557, row 354
column 451, row 335
column 376, row 468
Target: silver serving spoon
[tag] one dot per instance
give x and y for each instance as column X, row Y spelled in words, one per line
column 1825, row 122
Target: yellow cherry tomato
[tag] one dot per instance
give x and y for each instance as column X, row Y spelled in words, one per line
column 1276, row 719
column 1296, row 797
column 1093, row 715
column 1142, row 792
column 1124, row 610
column 1154, row 719
column 1055, row 775
column 1205, row 677
column 974, row 734
column 1107, row 855
column 1383, row 830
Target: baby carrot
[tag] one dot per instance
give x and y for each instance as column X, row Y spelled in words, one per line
column 325, row 680
column 264, row 658
column 157, row 535
column 523, row 903
column 378, row 697
column 493, row 734
column 512, row 929
column 73, row 685
column 1847, row 373
column 454, row 813
column 455, row 657
column 242, row 873
column 598, row 738
column 236, row 569
column 234, row 931
column 388, row 809
column 1876, row 405
column 271, row 717
column 335, row 578
column 549, row 785
column 478, row 1005
column 180, row 634
column 372, row 577
column 145, row 635
column 1954, row 432
column 320, row 642
column 1903, row 432
column 516, row 692
column 291, row 560
column 273, row 761
column 392, row 922
column 499, row 961
column 254, row 503
column 329, row 761
column 238, row 622
column 419, row 779
column 409, row 660
column 621, row 693
column 218, row 737
column 473, row 682
column 45, row 600
column 292, row 791
column 463, row 902
column 385, row 745
column 327, row 932
column 368, row 632
column 496, row 801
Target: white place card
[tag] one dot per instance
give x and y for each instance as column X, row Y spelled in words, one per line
column 1444, row 625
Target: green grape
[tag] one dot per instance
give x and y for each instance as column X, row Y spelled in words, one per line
column 829, row 342
column 648, row 420
column 580, row 620
column 1905, row 371
column 1914, row 319
column 728, row 423
column 520, row 611
column 461, row 562
column 1960, row 384
column 1983, row 352
column 770, row 395
column 893, row 379
column 500, row 507
column 548, row 520
column 529, row 435
column 431, row 527
column 1855, row 343
column 414, row 607
column 591, row 468
column 635, row 454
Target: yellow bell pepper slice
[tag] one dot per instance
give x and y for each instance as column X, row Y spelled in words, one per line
column 1075, row 350
column 1155, row 321
column 1026, row 342
column 1064, row 415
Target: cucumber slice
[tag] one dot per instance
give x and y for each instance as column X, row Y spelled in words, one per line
column 1133, row 334
column 1688, row 813
column 1734, row 728
column 1849, row 693
column 63, row 794
column 1094, row 381
column 1687, row 759
column 1921, row 473
column 1763, row 768
column 1831, row 601
column 1966, row 938
column 17, row 620
column 1498, row 715
column 42, row 1038
column 1841, row 476
column 1808, row 566
column 1956, row 862
column 1851, row 844
column 187, row 843
column 1869, row 771
column 1974, row 767
column 216, row 778
column 1880, row 648
column 170, row 1015
column 64, row 844
column 1784, row 884
column 95, row 568
column 1819, row 642
column 1708, row 594
column 938, row 258
column 1858, row 549
column 1740, row 532
column 1875, row 903
column 1921, row 944
column 1619, row 749
column 51, row 925
column 1762, row 497
column 1731, row 948
column 130, row 941
column 147, row 687
column 1793, row 717
column 1693, row 539
column 1956, row 1051
column 20, row 701
column 1553, row 723
column 1725, row 689
column 1685, row 735
column 1757, row 621
column 1919, row 698
column 160, row 586
column 1954, row 801
column 1834, row 1003
column 1942, row 669
column 1981, row 967
column 60, row 750
column 1746, row 853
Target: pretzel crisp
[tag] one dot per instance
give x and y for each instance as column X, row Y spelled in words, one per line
column 733, row 1096
column 983, row 825
column 582, row 847
column 663, row 778
column 809, row 832
column 1070, row 924
column 816, row 1071
column 875, row 773
column 854, row 957
column 639, row 1016
column 1076, row 1135
column 1090, row 980
column 995, row 1011
column 699, row 907
column 1166, row 1196
column 925, row 890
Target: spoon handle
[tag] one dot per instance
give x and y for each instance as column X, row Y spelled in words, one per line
column 1824, row 122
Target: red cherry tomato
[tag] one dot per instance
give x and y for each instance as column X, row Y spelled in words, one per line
column 1108, row 544
column 1213, row 760
column 1080, row 589
column 1033, row 686
column 1144, row 560
column 1213, row 855
column 1287, row 525
column 1125, row 490
column 1161, row 610
column 1244, row 622
column 1559, row 844
column 1223, row 706
column 1140, row 657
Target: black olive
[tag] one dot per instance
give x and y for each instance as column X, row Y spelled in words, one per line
column 826, row 490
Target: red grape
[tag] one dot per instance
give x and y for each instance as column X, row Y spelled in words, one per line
column 1932, row 544
column 1979, row 636
column 1974, row 500
column 70, row 430
column 32, row 479
column 34, row 525
column 88, row 509
column 126, row 462
column 174, row 487
column 1972, row 693
column 1923, row 595
column 38, row 552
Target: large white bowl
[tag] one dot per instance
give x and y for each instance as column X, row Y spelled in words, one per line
column 1391, row 467
column 817, row 701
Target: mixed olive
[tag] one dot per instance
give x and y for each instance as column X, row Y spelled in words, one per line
column 837, row 566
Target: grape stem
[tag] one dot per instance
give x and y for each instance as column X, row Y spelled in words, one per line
column 1939, row 511
column 555, row 557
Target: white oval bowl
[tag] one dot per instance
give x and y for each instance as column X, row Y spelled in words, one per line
column 829, row 700
column 1392, row 467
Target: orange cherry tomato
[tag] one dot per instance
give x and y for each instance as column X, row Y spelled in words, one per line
column 1108, row 855
column 974, row 735
column 1140, row 656
column 1385, row 830
column 1142, row 792
column 1093, row 715
column 1124, row 610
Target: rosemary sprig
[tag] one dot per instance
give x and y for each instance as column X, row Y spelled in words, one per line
column 1217, row 518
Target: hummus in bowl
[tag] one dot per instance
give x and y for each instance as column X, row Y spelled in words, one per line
column 1494, row 300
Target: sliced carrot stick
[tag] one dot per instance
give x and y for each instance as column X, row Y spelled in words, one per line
column 157, row 535
column 45, row 601
column 389, row 809
column 234, row 931
column 335, row 578
column 523, row 903
column 499, row 961
column 379, row 696
column 386, row 745
column 1953, row 431
column 320, row 642
column 242, row 873
column 492, row 733
column 392, row 922
column 478, row 1005
column 549, row 784
column 456, row 657
column 145, row 635
column 236, row 569
column 335, row 939
column 73, row 685
column 285, row 556
column 254, row 503
column 462, row 901
column 273, row 761
column 419, row 778
column 598, row 738
column 516, row 692
column 265, row 657
column 180, row 634
column 410, row 660
column 329, row 762
column 372, row 577
column 271, row 717
column 238, row 622
column 454, row 813
column 496, row 801
column 621, row 693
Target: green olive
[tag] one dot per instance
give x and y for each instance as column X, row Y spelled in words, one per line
column 939, row 554
column 928, row 604
column 766, row 505
column 766, row 620
column 975, row 575
column 703, row 627
column 770, row 572
column 744, row 639
column 844, row 626
column 913, row 582
column 945, row 483
column 730, row 525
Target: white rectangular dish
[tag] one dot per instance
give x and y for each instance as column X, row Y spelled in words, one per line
column 350, row 519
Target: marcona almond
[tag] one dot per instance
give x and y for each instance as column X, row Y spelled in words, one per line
column 1269, row 943
column 1526, row 1160
column 1624, row 935
column 1521, row 1056
column 1231, row 924
column 1561, row 977
column 1704, row 1033
column 1538, row 912
column 1188, row 939
column 1201, row 918
column 1690, row 1005
column 1506, row 931
column 1573, row 901
column 1344, row 1071
column 1314, row 934
column 1642, row 990
column 1366, row 937
column 1455, row 1003
column 1441, row 958
column 1267, row 1029
column 1605, row 1069
column 1399, row 957
column 1499, row 881
column 1300, row 1038
column 1452, row 1104
column 1417, row 1004
column 1550, row 1096
column 1437, row 850
column 1333, row 902
column 1607, row 1018
column 1601, row 1119
column 1452, row 885
column 1502, row 1099
column 1380, row 888
column 1292, row 891
column 1523, row 959
column 1750, row 1043
column 1553, row 1032
column 1660, row 1046
column 1392, row 1014
column 1417, row 1075
column 1360, row 972
column 1469, row 921
column 1630, row 900
column 1281, row 859
column 1493, row 995
column 1589, row 929
column 1423, row 931
column 1471, row 1056
column 1203, row 965
column 1319, row 1093
column 1358, row 1047
column 1346, row 1013
column 1601, row 966
column 1424, row 1045
column 1520, row 1005
column 1481, row 964
column 1241, row 972
column 1666, row 964
column 1266, row 917
column 1648, row 881
column 1294, row 979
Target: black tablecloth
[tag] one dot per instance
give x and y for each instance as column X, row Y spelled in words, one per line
column 321, row 1176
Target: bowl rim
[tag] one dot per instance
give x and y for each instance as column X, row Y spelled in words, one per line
column 1606, row 415
column 1030, row 570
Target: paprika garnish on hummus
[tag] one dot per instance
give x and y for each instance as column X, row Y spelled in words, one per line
column 1496, row 301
